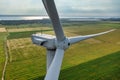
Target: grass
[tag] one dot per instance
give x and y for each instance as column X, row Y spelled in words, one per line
column 2, row 51
column 24, row 60
column 92, row 59
column 104, row 68
column 27, row 29
column 24, row 34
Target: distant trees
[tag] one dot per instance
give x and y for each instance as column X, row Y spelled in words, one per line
column 17, row 22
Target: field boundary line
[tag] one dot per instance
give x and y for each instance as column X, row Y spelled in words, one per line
column 6, row 59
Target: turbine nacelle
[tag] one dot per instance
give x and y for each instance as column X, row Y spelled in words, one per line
column 50, row 41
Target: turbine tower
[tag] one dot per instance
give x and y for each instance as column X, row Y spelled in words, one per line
column 56, row 46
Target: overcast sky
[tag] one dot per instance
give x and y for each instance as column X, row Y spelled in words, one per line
column 66, row 8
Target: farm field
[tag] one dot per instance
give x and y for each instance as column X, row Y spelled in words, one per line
column 2, row 50
column 93, row 59
column 2, row 30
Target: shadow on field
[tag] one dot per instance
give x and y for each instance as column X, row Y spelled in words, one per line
column 39, row 78
column 104, row 68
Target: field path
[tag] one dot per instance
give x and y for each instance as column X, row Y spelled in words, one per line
column 6, row 61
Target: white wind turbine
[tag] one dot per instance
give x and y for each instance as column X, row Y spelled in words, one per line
column 56, row 45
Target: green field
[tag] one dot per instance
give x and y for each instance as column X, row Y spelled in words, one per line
column 93, row 59
column 2, row 51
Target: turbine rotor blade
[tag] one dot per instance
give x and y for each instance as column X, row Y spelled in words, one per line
column 52, row 12
column 50, row 57
column 54, row 69
column 80, row 38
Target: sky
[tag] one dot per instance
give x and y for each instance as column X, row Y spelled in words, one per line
column 66, row 8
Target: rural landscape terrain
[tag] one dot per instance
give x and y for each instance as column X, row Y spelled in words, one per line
column 93, row 59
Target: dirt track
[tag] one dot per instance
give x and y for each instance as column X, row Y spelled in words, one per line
column 6, row 61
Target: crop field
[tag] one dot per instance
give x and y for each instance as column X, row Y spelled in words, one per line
column 2, row 30
column 93, row 59
column 28, row 29
column 2, row 51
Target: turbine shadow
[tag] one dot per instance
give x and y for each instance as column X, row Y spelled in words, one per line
column 104, row 68
column 39, row 78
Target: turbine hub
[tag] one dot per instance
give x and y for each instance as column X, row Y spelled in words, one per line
column 63, row 44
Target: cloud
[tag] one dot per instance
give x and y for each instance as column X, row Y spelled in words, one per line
column 78, row 8
column 21, row 7
column 90, row 8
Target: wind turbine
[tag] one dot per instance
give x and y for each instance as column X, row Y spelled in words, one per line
column 56, row 46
